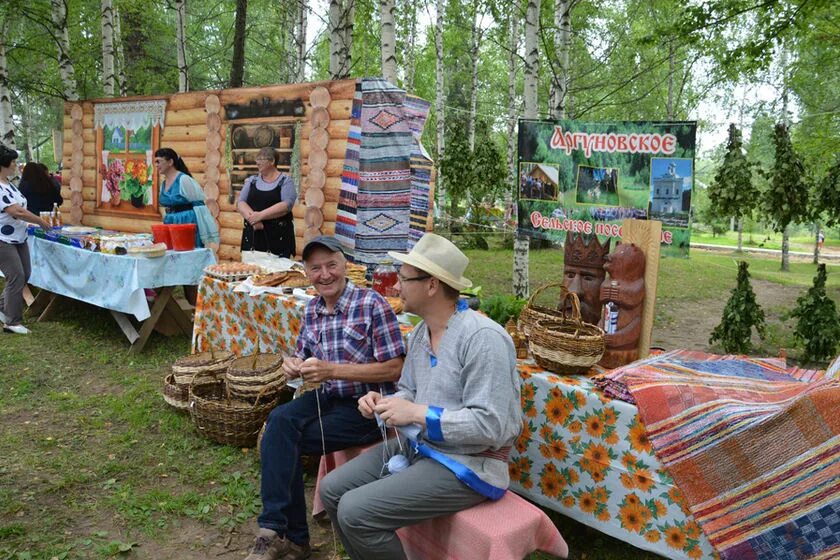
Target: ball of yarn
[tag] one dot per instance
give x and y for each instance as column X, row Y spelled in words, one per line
column 397, row 463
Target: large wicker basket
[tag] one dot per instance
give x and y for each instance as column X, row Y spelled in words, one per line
column 567, row 345
column 226, row 420
column 249, row 376
column 532, row 312
column 211, row 364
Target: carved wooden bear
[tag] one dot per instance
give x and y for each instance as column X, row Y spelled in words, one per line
column 624, row 286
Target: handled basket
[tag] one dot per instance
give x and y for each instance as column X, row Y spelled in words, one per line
column 222, row 419
column 211, row 364
column 567, row 345
column 249, row 376
column 532, row 312
column 176, row 396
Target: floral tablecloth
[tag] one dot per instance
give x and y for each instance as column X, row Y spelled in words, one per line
column 587, row 457
column 114, row 282
column 235, row 321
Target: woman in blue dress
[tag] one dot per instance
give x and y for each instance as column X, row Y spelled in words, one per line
column 183, row 198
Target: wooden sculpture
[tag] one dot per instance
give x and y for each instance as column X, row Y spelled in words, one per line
column 583, row 272
column 623, row 293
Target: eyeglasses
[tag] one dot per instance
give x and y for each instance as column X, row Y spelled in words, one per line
column 413, row 278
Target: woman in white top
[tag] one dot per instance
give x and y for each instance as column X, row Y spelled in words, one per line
column 14, row 253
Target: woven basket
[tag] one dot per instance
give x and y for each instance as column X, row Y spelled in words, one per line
column 532, row 312
column 225, row 420
column 568, row 345
column 176, row 396
column 212, row 364
column 249, row 376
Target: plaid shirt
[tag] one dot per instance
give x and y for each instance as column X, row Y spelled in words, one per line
column 362, row 329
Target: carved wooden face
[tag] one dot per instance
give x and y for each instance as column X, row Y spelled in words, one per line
column 585, row 282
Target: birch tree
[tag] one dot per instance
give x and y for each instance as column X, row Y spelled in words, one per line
column 237, row 71
column 300, row 42
column 7, row 125
column 439, row 107
column 409, row 8
column 65, row 65
column 562, row 46
column 532, row 59
column 119, row 54
column 388, row 37
column 513, row 56
column 340, row 23
column 181, row 23
column 107, row 21
column 475, row 41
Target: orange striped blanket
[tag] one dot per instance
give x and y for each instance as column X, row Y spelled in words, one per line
column 757, row 459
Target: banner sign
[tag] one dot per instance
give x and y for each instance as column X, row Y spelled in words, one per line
column 588, row 177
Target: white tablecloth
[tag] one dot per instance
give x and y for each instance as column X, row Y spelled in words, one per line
column 114, row 282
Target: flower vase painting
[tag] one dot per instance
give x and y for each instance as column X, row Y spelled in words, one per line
column 128, row 137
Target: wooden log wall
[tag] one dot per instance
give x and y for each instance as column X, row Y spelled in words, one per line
column 196, row 128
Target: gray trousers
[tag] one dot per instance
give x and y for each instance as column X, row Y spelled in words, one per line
column 367, row 509
column 15, row 265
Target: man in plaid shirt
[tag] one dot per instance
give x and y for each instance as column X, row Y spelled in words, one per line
column 351, row 344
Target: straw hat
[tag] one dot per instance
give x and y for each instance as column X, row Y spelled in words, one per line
column 440, row 258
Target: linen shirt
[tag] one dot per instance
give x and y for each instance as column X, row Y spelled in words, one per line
column 12, row 230
column 362, row 329
column 473, row 378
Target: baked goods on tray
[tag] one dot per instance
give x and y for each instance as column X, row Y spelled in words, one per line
column 356, row 274
column 396, row 304
column 150, row 251
column 232, row 271
column 287, row 279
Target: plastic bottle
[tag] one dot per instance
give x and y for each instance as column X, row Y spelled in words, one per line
column 385, row 279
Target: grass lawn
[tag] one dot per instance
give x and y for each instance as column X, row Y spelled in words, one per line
column 769, row 240
column 95, row 465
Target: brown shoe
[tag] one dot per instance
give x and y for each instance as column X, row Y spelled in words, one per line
column 298, row 551
column 269, row 546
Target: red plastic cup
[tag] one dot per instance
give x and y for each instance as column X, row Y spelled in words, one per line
column 183, row 236
column 161, row 234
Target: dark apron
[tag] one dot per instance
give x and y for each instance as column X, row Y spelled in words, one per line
column 278, row 234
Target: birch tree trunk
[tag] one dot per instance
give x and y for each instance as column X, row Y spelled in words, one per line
column 237, row 70
column 439, row 108
column 410, row 9
column 532, row 28
column 513, row 55
column 786, row 121
column 65, row 65
column 119, row 55
column 108, row 74
column 562, row 46
column 475, row 39
column 181, row 23
column 300, row 42
column 817, row 243
column 7, row 124
column 388, row 39
column 341, row 14
column 672, row 68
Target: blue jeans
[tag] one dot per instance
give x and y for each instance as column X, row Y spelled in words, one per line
column 293, row 430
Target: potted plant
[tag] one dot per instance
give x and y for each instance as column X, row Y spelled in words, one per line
column 112, row 178
column 136, row 185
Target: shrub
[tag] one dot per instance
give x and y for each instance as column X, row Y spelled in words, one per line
column 818, row 325
column 740, row 315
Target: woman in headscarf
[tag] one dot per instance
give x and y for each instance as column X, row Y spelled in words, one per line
column 183, row 198
column 266, row 202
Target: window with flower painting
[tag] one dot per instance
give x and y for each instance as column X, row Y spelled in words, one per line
column 127, row 136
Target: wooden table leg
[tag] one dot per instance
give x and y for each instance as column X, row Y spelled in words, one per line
column 39, row 303
column 125, row 325
column 181, row 317
column 149, row 324
column 51, row 307
column 28, row 297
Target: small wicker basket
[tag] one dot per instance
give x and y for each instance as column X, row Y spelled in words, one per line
column 249, row 376
column 176, row 396
column 222, row 419
column 211, row 364
column 567, row 345
column 532, row 312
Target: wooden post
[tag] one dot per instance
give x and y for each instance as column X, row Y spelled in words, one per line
column 646, row 234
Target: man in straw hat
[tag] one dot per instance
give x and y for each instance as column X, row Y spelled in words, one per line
column 457, row 408
column 351, row 344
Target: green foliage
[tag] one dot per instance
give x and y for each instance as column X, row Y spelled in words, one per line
column 828, row 195
column 502, row 308
column 786, row 198
column 818, row 324
column 740, row 315
column 732, row 192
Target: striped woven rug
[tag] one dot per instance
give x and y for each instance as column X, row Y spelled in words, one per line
column 756, row 454
column 385, row 184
